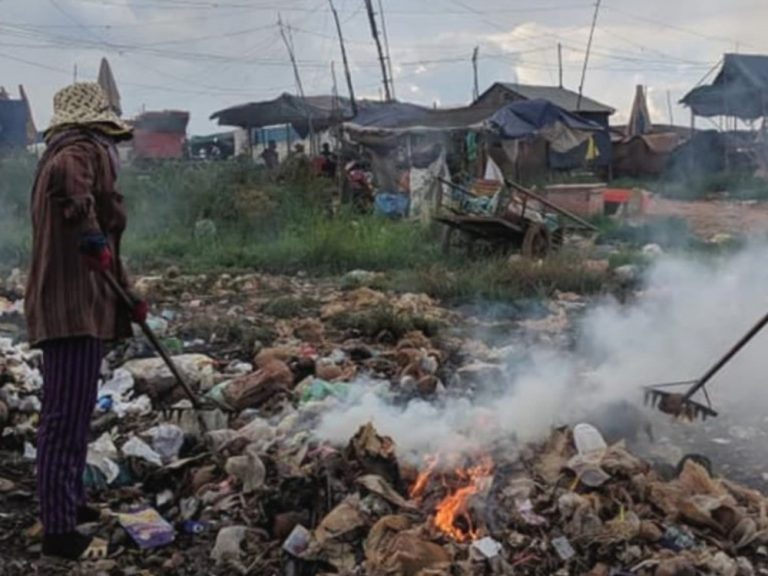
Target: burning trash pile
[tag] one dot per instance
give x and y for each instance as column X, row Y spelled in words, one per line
column 250, row 485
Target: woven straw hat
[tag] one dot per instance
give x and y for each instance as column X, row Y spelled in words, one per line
column 84, row 103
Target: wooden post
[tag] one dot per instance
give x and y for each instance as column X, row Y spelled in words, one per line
column 377, row 40
column 344, row 59
column 586, row 56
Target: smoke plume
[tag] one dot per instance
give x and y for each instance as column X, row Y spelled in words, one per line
column 691, row 310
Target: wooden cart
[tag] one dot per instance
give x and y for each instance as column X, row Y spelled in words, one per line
column 535, row 231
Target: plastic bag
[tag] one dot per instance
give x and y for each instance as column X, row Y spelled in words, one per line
column 102, row 455
column 167, row 440
column 139, row 449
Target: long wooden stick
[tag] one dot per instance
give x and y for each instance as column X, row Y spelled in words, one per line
column 555, row 207
column 153, row 339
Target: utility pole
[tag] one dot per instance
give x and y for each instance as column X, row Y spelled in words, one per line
column 299, row 85
column 476, row 89
column 586, row 56
column 560, row 63
column 344, row 59
column 377, row 40
column 669, row 106
column 386, row 49
column 74, row 75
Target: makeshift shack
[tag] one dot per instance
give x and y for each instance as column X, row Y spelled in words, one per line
column 501, row 93
column 642, row 148
column 160, row 135
column 411, row 146
column 738, row 92
column 17, row 129
column 305, row 115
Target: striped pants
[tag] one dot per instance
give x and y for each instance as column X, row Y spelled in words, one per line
column 70, row 385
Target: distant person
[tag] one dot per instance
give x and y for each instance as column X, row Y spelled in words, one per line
column 330, row 161
column 78, row 218
column 270, row 156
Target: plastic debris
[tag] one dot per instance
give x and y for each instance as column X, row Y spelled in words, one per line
column 194, row 527
column 487, row 547
column 563, row 548
column 228, row 544
column 139, row 449
column 147, row 528
column 298, row 541
column 102, row 454
column 167, row 440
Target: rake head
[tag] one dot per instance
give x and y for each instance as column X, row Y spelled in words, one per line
column 676, row 404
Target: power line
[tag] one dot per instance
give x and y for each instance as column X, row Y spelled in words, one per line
column 682, row 29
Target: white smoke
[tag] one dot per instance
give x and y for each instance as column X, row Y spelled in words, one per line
column 691, row 311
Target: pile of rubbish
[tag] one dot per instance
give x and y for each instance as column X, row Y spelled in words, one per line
column 249, row 487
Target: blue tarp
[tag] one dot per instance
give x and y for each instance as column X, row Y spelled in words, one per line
column 527, row 117
column 13, row 123
column 391, row 205
column 740, row 89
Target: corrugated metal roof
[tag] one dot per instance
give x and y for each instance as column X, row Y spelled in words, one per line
column 559, row 96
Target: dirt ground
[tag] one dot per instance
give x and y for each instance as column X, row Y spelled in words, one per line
column 708, row 218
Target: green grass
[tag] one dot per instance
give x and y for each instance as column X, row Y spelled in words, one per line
column 254, row 224
column 502, row 280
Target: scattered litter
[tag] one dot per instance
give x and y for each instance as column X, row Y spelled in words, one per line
column 228, row 544
column 563, row 548
column 139, row 449
column 298, row 541
column 147, row 528
column 30, row 452
column 488, row 547
column 167, row 440
column 194, row 527
column 102, row 454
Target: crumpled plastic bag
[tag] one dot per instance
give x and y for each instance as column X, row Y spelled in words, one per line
column 248, row 468
column 167, row 440
column 228, row 544
column 102, row 455
column 137, row 448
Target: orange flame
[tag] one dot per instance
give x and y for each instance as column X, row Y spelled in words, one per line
column 417, row 490
column 454, row 506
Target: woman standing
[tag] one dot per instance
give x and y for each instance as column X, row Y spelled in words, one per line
column 77, row 219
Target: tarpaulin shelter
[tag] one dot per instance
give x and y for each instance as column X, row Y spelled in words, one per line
column 640, row 148
column 739, row 90
column 501, row 93
column 321, row 112
column 540, row 117
column 386, row 123
column 17, row 128
column 645, row 154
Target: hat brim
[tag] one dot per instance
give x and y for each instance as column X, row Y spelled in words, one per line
column 84, row 118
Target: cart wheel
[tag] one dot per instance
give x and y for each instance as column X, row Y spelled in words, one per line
column 537, row 242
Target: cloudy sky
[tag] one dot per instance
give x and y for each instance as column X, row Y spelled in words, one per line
column 204, row 55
